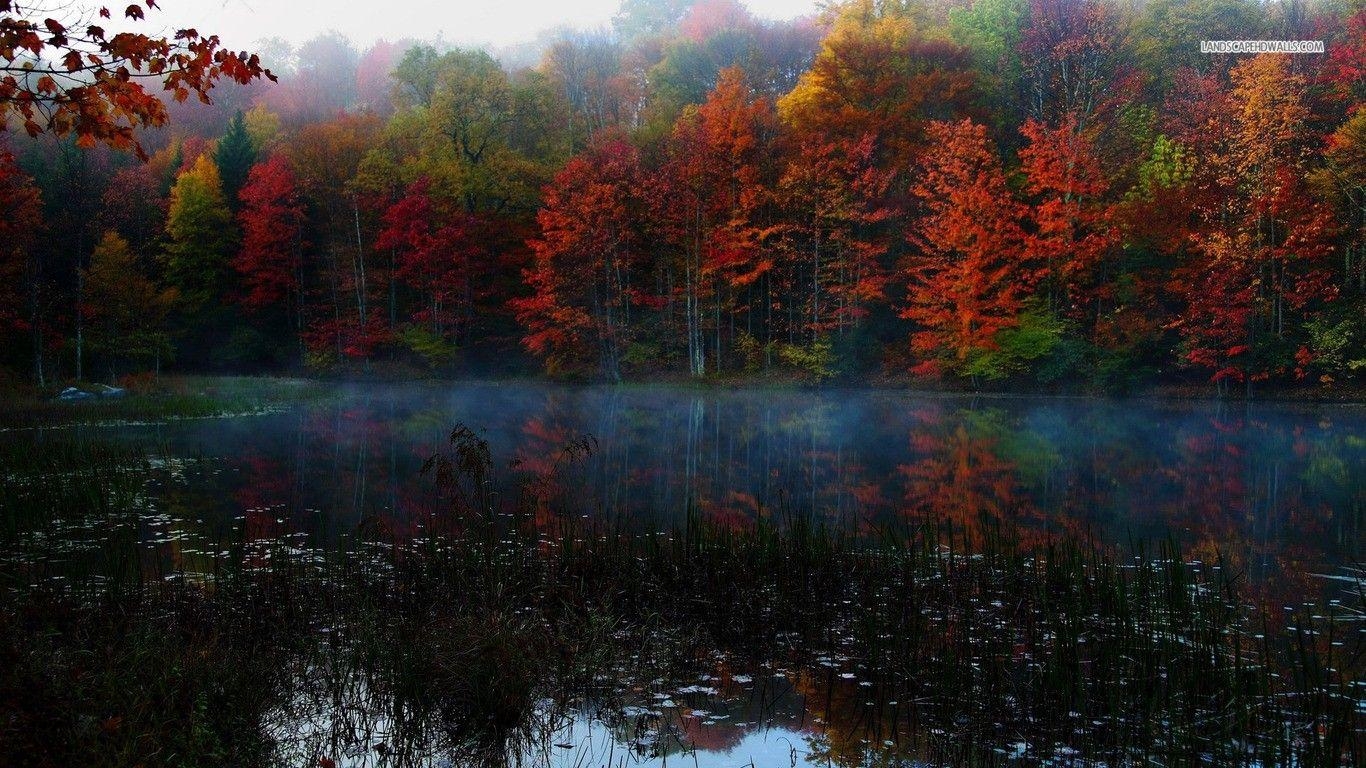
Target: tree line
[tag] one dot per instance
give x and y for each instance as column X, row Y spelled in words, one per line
column 1043, row 193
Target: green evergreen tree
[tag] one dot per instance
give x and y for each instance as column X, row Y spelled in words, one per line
column 235, row 155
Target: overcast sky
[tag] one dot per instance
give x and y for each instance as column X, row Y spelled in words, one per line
column 495, row 22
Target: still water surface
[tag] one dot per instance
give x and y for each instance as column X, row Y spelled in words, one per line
column 1277, row 491
column 1276, row 488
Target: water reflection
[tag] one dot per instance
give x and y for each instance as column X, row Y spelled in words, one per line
column 1276, row 491
column 777, row 718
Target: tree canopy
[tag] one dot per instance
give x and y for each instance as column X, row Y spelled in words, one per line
column 1029, row 193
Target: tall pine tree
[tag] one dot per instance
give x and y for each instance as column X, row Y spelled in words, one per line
column 235, row 155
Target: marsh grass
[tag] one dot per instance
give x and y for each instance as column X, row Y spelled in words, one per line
column 474, row 639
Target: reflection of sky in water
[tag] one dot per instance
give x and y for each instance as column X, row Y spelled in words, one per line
column 591, row 742
column 743, row 721
column 759, row 721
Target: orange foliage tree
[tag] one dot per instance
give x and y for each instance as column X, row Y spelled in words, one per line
column 1072, row 227
column 719, row 176
column 968, row 280
column 1263, row 243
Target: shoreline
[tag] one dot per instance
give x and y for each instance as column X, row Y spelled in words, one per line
column 1191, row 392
column 208, row 390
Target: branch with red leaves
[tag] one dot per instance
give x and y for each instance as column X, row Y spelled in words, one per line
column 70, row 76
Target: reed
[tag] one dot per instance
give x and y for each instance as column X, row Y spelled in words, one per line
column 474, row 640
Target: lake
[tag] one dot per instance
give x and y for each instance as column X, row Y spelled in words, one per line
column 1280, row 490
column 1275, row 494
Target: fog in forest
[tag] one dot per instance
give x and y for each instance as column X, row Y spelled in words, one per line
column 245, row 22
column 650, row 382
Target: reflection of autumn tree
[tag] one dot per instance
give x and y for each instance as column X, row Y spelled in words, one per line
column 1240, row 499
column 1273, row 493
column 956, row 473
column 584, row 456
column 536, row 460
column 726, row 458
column 352, row 454
column 267, row 485
column 709, row 736
column 842, row 725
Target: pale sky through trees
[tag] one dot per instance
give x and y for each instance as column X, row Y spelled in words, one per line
column 242, row 22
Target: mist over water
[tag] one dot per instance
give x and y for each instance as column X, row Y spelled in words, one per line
column 424, row 623
column 1278, row 491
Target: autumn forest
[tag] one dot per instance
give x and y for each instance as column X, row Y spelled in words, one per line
column 1032, row 194
column 904, row 383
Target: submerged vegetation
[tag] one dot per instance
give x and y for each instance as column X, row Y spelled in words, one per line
column 490, row 628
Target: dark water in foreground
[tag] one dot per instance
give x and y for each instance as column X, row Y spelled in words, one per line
column 1277, row 492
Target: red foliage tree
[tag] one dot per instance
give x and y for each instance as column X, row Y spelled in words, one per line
column 1251, row 277
column 271, row 258
column 1345, row 69
column 968, row 281
column 434, row 249
column 134, row 206
column 20, row 220
column 579, row 313
column 21, row 268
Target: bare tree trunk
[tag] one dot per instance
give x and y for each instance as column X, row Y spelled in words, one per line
column 816, row 286
column 393, row 292
column 359, row 270
column 299, row 295
column 716, row 364
column 362, row 290
column 768, row 320
column 80, row 322
column 336, row 303
column 693, row 266
column 35, row 278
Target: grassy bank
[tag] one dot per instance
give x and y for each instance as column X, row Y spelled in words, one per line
column 471, row 631
column 157, row 400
